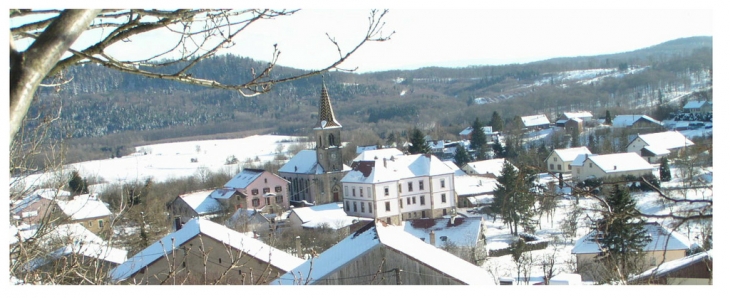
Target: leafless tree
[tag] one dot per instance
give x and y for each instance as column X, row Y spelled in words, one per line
column 202, row 33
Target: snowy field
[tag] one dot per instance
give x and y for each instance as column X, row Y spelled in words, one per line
column 174, row 160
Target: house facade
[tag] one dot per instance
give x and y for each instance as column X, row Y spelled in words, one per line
column 262, row 189
column 636, row 121
column 587, row 166
column 691, row 270
column 698, row 106
column 87, row 210
column 204, row 252
column 187, row 207
column 314, row 175
column 33, row 208
column 559, row 161
column 399, row 188
column 464, row 237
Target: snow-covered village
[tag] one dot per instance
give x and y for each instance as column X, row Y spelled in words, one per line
column 583, row 170
column 391, row 216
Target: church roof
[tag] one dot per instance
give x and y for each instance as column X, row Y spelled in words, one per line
column 326, row 114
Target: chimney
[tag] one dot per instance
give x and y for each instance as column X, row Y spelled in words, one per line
column 178, row 223
column 614, row 167
column 385, row 162
column 299, row 246
column 432, row 237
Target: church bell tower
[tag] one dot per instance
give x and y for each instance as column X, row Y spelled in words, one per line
column 327, row 135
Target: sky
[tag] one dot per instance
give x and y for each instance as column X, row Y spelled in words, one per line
column 464, row 34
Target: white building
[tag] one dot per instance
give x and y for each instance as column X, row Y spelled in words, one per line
column 609, row 166
column 398, row 188
column 652, row 147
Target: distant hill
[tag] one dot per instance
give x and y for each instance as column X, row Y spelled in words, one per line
column 118, row 109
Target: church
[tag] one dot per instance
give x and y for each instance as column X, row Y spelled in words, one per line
column 314, row 175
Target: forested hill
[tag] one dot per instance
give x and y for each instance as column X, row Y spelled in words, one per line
column 119, row 109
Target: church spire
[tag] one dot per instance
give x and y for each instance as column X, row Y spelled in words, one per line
column 326, row 114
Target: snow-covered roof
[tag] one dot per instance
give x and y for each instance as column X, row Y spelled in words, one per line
column 569, row 154
column 222, row 193
column 377, row 235
column 579, row 159
column 464, row 232
column 657, row 150
column 489, row 166
column 202, row 202
column 661, row 239
column 396, row 168
column 305, row 162
column 694, row 104
column 668, row 140
column 454, row 167
column 190, row 230
column 628, row 120
column 620, row 162
column 244, row 178
column 83, row 207
column 330, row 214
column 577, row 114
column 361, row 149
column 467, row 185
column 534, row 120
column 481, row 199
column 673, row 265
column 44, row 193
column 378, row 154
column 103, row 252
column 486, row 129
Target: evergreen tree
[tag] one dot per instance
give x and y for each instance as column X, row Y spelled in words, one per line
column 77, row 184
column 574, row 138
column 496, row 123
column 592, row 144
column 608, row 118
column 478, row 140
column 462, row 156
column 623, row 231
column 561, row 182
column 665, row 173
column 498, row 150
column 418, row 142
column 513, row 199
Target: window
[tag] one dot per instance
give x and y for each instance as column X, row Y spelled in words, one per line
column 590, row 165
column 255, row 191
column 387, row 206
column 347, row 189
column 370, row 207
column 560, row 167
column 255, row 202
column 362, row 206
column 386, row 191
column 368, row 191
column 409, row 200
column 555, row 159
column 354, row 206
column 353, row 191
column 347, row 206
column 399, row 188
column 444, row 212
column 570, row 167
column 220, row 261
column 361, row 192
column 443, row 183
column 410, row 186
column 277, row 188
column 400, row 203
column 423, row 200
column 101, row 223
column 266, row 181
column 551, row 166
column 423, row 214
column 443, row 198
column 279, row 199
column 90, row 224
column 267, row 190
column 420, row 184
column 578, row 170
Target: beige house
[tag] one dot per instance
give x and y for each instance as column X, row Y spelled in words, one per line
column 87, row 210
column 382, row 254
column 615, row 165
column 560, row 159
column 690, row 270
column 662, row 246
column 203, row 252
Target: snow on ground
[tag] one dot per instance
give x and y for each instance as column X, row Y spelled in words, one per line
column 174, row 160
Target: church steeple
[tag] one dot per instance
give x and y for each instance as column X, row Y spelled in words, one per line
column 326, row 114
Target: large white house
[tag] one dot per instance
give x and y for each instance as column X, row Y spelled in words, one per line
column 397, row 188
column 654, row 146
column 609, row 166
column 560, row 159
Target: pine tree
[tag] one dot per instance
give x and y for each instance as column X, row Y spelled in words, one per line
column 478, row 140
column 608, row 118
column 462, row 156
column 513, row 200
column 623, row 230
column 665, row 173
column 496, row 123
column 574, row 138
column 561, row 182
column 418, row 143
column 498, row 150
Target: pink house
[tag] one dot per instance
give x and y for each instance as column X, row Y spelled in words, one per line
column 263, row 189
